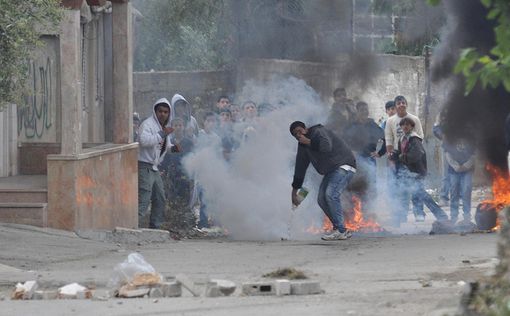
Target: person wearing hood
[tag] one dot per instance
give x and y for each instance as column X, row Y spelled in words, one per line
column 154, row 142
column 411, row 154
column 333, row 159
column 182, row 110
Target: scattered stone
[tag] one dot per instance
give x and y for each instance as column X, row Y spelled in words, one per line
column 188, row 284
column 24, row 291
column 156, row 292
column 100, row 295
column 128, row 291
column 282, row 287
column 212, row 290
column 466, row 261
column 305, row 287
column 171, row 289
column 74, row 290
column 226, row 287
column 425, row 283
column 259, row 288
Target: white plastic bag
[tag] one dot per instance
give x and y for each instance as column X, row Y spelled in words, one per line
column 125, row 272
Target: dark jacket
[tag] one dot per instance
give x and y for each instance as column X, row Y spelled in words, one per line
column 363, row 138
column 326, row 152
column 414, row 156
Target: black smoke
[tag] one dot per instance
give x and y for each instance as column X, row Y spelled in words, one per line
column 480, row 115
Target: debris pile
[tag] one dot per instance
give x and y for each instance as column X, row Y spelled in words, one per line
column 135, row 277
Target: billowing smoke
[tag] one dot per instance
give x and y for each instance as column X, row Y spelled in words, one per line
column 250, row 195
column 480, row 115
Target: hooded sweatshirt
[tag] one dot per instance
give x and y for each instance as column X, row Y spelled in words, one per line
column 152, row 137
column 190, row 123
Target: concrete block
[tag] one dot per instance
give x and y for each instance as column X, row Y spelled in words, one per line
column 129, row 293
column 282, row 287
column 259, row 288
column 212, row 290
column 305, row 287
column 187, row 283
column 171, row 289
column 45, row 295
column 226, row 287
column 156, row 292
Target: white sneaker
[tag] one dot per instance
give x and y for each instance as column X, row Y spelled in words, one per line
column 337, row 235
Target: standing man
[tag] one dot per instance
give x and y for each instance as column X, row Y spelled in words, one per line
column 154, row 142
column 393, row 132
column 331, row 157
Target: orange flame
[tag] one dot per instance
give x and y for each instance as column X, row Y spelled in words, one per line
column 353, row 220
column 500, row 189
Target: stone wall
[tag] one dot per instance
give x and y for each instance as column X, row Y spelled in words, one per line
column 200, row 88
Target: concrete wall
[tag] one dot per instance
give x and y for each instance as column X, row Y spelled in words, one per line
column 94, row 190
column 200, row 88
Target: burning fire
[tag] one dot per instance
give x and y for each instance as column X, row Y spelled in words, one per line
column 353, row 220
column 500, row 190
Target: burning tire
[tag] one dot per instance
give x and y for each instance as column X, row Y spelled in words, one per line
column 486, row 216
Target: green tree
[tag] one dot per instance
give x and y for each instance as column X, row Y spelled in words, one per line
column 492, row 69
column 19, row 35
column 182, row 35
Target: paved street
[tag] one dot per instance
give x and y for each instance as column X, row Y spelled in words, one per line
column 393, row 275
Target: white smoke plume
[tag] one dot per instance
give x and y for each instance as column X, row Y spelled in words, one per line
column 250, row 195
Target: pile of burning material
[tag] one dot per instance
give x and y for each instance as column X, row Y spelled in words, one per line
column 487, row 212
column 355, row 220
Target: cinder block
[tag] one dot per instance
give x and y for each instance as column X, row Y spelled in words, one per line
column 212, row 289
column 156, row 292
column 226, row 287
column 259, row 288
column 171, row 289
column 187, row 283
column 305, row 287
column 282, row 287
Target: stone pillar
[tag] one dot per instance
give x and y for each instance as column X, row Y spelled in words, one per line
column 70, row 70
column 122, row 47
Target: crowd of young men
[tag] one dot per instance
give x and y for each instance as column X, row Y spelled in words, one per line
column 349, row 143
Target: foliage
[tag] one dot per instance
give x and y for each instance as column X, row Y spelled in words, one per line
column 19, row 25
column 182, row 35
column 492, row 69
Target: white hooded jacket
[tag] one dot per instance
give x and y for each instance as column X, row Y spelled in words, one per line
column 151, row 139
column 190, row 121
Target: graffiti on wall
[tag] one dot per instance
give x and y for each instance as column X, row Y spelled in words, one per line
column 37, row 115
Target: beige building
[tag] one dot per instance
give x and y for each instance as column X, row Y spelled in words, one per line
column 67, row 159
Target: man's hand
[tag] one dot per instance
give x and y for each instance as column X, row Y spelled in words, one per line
column 303, row 139
column 374, row 155
column 168, row 130
column 294, row 197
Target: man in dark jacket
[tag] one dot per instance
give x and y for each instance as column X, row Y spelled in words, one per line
column 331, row 157
column 412, row 156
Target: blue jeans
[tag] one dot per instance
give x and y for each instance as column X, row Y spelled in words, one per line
column 151, row 191
column 421, row 196
column 444, row 192
column 405, row 191
column 330, row 190
column 461, row 186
